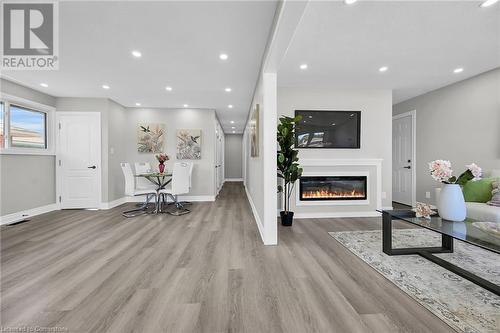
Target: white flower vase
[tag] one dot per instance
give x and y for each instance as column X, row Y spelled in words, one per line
column 451, row 203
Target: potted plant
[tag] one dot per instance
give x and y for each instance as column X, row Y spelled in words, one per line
column 288, row 168
column 450, row 202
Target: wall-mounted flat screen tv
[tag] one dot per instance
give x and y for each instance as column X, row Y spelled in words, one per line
column 328, row 129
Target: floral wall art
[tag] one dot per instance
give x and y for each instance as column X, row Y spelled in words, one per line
column 150, row 138
column 188, row 144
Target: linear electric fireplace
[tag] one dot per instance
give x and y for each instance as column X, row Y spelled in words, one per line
column 320, row 188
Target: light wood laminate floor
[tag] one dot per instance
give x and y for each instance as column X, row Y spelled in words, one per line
column 95, row 271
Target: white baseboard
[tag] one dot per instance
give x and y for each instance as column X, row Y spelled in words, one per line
column 387, row 208
column 260, row 226
column 26, row 214
column 19, row 216
column 141, row 198
column 233, row 179
column 319, row 215
column 113, row 204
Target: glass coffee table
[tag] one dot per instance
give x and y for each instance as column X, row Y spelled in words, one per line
column 479, row 233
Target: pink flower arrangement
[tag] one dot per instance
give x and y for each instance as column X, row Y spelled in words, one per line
column 162, row 158
column 475, row 170
column 442, row 172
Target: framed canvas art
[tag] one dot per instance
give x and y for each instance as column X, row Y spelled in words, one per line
column 150, row 138
column 188, row 144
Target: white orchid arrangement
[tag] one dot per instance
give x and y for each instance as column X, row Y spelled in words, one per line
column 442, row 172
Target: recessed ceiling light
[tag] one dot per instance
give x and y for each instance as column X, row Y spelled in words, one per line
column 45, row 85
column 233, row 127
column 105, row 86
column 333, row 124
column 230, row 106
column 136, row 54
column 310, row 117
column 352, row 114
column 234, row 132
column 488, row 3
column 232, row 121
column 303, row 66
column 168, row 88
column 228, row 89
column 137, row 104
column 383, row 69
column 185, row 105
column 223, row 56
column 458, row 70
column 349, row 2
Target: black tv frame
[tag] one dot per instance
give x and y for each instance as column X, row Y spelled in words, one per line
column 346, row 111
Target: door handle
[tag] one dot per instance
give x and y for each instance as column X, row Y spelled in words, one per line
column 407, row 167
column 92, row 167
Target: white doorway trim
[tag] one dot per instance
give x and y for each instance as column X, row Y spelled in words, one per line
column 59, row 173
column 413, row 115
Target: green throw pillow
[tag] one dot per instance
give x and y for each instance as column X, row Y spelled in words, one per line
column 479, row 190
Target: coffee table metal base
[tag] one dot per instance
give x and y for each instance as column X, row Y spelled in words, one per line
column 427, row 252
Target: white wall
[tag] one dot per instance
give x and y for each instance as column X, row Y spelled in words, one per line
column 260, row 173
column 460, row 123
column 376, row 133
column 174, row 119
column 233, row 156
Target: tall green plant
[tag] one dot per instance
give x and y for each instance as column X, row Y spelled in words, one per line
column 288, row 168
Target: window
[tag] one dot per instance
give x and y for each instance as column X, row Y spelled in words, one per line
column 25, row 127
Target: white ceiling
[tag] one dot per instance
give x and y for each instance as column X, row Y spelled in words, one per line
column 421, row 43
column 180, row 44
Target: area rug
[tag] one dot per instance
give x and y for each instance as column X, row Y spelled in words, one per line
column 458, row 302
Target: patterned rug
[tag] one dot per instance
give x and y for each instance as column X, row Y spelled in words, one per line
column 458, row 302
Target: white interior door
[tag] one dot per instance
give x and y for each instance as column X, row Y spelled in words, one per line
column 403, row 159
column 79, row 159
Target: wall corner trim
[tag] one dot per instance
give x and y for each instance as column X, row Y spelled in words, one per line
column 27, row 214
column 258, row 221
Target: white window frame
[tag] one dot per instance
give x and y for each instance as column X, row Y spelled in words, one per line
column 49, row 130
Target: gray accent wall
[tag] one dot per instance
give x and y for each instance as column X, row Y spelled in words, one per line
column 460, row 123
column 233, row 156
column 26, row 181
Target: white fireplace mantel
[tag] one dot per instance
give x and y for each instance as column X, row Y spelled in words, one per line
column 371, row 162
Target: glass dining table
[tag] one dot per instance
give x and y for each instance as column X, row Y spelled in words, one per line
column 160, row 179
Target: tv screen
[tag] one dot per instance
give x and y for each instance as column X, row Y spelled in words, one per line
column 328, row 129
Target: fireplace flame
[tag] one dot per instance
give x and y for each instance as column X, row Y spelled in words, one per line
column 328, row 194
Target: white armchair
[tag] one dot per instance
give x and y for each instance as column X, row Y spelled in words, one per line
column 180, row 184
column 131, row 190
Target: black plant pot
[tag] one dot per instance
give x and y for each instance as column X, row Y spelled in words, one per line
column 286, row 218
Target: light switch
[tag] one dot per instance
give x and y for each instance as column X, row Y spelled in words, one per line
column 111, row 150
column 428, row 195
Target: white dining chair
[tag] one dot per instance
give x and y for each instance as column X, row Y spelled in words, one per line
column 131, row 190
column 141, row 182
column 180, row 184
